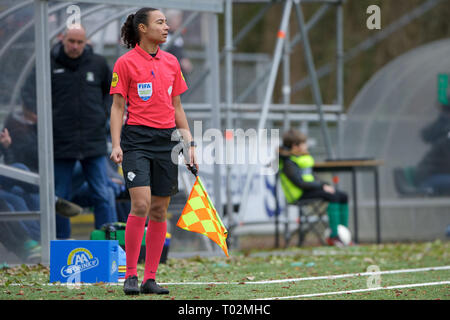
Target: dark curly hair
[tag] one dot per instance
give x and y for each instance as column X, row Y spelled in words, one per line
column 129, row 32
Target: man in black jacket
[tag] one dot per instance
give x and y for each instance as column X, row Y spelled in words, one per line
column 80, row 98
column 80, row 104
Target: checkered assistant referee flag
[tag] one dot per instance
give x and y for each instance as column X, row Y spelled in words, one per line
column 199, row 215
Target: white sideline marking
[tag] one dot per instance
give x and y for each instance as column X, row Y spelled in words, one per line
column 403, row 286
column 338, row 276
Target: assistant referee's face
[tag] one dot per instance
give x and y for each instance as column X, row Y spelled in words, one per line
column 157, row 29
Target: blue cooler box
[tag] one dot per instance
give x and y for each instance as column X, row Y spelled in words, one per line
column 88, row 261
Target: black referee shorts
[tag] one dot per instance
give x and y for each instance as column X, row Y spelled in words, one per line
column 147, row 159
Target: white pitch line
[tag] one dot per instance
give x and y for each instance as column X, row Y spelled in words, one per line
column 404, row 286
column 339, row 276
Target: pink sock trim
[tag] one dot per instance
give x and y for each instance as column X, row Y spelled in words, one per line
column 154, row 243
column 134, row 232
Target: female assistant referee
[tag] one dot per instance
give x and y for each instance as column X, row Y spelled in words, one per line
column 150, row 82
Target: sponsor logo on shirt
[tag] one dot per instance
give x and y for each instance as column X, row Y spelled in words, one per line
column 115, row 79
column 145, row 90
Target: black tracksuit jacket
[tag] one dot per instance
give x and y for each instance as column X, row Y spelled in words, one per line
column 80, row 103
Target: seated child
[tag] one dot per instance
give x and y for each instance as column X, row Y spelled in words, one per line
column 298, row 182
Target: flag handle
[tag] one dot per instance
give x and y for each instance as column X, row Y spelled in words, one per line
column 192, row 169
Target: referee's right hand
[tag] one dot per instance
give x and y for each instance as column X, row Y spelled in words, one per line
column 116, row 155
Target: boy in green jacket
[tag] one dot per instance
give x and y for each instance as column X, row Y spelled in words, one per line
column 298, row 182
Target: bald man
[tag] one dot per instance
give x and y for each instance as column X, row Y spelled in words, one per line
column 74, row 41
column 80, row 103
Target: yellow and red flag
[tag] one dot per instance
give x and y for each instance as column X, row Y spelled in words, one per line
column 199, row 215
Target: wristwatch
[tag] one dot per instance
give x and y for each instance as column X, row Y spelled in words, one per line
column 193, row 143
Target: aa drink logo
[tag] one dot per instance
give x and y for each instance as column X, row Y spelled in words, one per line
column 79, row 260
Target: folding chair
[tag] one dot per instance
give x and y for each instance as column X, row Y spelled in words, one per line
column 312, row 218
